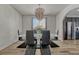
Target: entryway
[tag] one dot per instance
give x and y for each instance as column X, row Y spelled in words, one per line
column 71, row 28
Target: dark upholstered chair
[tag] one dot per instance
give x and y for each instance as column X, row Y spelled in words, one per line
column 30, row 40
column 45, row 38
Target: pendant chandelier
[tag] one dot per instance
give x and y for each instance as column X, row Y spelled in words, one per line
column 39, row 13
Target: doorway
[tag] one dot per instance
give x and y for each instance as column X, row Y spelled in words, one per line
column 71, row 28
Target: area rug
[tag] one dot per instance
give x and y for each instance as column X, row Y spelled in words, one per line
column 23, row 45
column 53, row 45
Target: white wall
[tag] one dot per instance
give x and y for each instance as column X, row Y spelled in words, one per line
column 27, row 23
column 51, row 24
column 10, row 22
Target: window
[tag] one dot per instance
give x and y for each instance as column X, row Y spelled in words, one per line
column 38, row 24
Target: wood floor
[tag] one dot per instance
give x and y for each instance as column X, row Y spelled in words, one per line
column 67, row 47
column 13, row 50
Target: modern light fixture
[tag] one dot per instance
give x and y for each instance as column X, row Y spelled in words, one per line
column 39, row 13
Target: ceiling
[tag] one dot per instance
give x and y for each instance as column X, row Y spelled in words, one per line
column 29, row 9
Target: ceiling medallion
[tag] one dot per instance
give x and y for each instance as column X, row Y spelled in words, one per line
column 39, row 13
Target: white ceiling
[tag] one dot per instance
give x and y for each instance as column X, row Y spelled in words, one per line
column 29, row 9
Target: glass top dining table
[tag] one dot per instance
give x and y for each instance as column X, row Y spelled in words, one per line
column 38, row 36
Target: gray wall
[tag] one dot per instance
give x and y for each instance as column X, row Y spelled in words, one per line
column 10, row 22
column 51, row 24
column 27, row 23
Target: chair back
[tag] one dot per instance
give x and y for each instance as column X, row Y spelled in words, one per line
column 29, row 37
column 45, row 37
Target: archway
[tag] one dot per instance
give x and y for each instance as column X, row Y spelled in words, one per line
column 60, row 17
